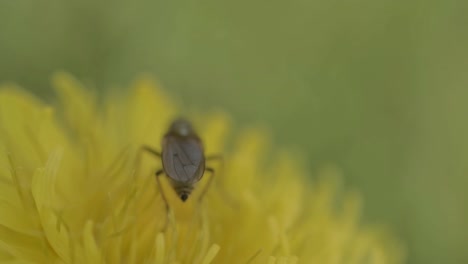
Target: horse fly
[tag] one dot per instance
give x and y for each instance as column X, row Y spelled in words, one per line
column 183, row 160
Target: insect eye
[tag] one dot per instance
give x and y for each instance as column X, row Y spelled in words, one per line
column 184, row 197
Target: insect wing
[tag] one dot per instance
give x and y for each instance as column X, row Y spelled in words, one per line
column 183, row 159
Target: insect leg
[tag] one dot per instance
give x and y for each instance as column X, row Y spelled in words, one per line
column 158, row 173
column 220, row 159
column 219, row 184
column 254, row 256
column 212, row 172
column 140, row 152
column 166, row 204
column 151, row 150
column 215, row 157
column 207, row 185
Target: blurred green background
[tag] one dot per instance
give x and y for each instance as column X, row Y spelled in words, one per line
column 378, row 87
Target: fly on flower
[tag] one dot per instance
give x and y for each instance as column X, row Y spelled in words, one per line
column 183, row 159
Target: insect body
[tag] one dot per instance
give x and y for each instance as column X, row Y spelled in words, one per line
column 183, row 158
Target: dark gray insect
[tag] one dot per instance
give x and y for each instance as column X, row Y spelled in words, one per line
column 183, row 159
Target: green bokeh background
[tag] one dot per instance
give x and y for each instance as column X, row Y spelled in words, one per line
column 379, row 88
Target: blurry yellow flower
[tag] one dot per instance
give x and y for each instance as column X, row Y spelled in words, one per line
column 70, row 191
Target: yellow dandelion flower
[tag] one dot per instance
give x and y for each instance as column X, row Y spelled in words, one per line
column 71, row 192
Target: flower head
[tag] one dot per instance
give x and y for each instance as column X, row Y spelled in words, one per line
column 75, row 188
